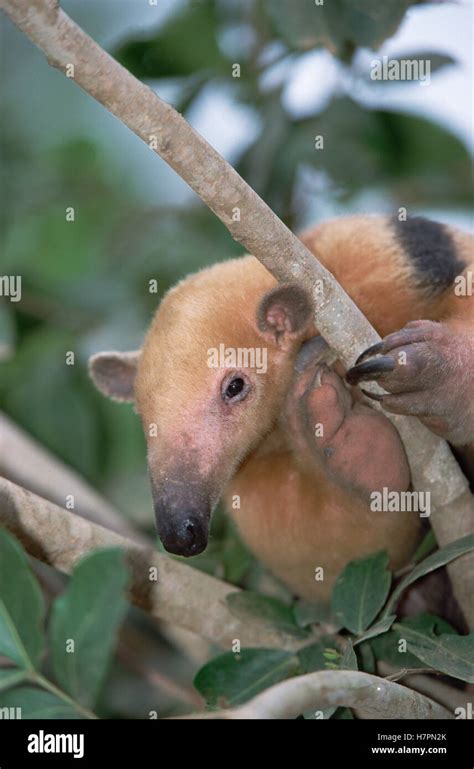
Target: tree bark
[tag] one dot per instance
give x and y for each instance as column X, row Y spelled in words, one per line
column 371, row 696
column 179, row 594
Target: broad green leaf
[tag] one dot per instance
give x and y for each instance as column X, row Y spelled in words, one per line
column 27, row 702
column 10, row 677
column 427, row 623
column 85, row 621
column 379, row 627
column 247, row 605
column 339, row 25
column 231, row 679
column 348, row 660
column 387, row 646
column 184, row 45
column 235, row 558
column 366, row 657
column 450, row 654
column 360, row 592
column 314, row 656
column 308, row 613
column 440, row 558
column 426, row 546
column 409, row 156
column 21, row 606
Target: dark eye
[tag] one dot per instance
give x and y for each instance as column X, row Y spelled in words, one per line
column 234, row 387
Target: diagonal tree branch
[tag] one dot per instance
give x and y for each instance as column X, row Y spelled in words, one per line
column 179, row 594
column 346, row 330
column 30, row 465
column 26, row 463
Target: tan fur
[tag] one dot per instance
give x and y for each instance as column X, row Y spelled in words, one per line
column 293, row 520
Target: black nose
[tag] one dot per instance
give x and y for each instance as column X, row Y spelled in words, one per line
column 188, row 537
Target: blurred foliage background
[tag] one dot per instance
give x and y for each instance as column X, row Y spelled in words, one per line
column 85, row 283
column 303, row 71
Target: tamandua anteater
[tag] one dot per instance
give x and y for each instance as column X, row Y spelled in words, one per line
column 295, row 452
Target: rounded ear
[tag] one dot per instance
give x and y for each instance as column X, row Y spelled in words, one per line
column 285, row 313
column 113, row 373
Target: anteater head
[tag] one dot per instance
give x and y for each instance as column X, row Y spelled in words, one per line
column 208, row 383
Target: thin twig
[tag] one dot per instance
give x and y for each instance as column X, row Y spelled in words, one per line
column 426, row 682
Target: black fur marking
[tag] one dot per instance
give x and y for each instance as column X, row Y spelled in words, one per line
column 432, row 251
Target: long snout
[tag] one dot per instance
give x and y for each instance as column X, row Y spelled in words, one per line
column 183, row 513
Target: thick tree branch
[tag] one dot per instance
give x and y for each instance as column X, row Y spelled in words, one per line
column 26, row 463
column 373, row 697
column 429, row 684
column 180, row 594
column 347, row 331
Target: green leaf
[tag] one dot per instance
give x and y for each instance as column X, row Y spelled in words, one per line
column 343, row 714
column 387, row 647
column 248, row 605
column 314, row 656
column 450, row 654
column 235, row 558
column 61, row 403
column 10, row 677
column 426, row 546
column 21, row 606
column 366, row 658
column 309, row 613
column 88, row 613
column 381, row 626
column 427, row 623
column 36, row 703
column 231, row 679
column 339, row 25
column 184, row 45
column 348, row 660
column 410, row 157
column 439, row 558
column 360, row 591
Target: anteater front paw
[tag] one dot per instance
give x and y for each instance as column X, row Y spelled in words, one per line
column 357, row 447
column 428, row 370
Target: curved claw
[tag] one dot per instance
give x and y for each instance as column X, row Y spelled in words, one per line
column 373, row 350
column 374, row 396
column 371, row 369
